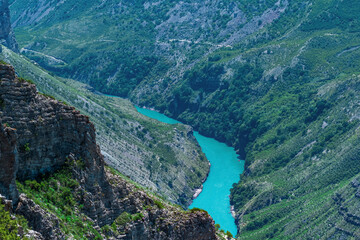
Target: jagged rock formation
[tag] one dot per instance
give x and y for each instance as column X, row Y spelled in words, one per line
column 47, row 131
column 7, row 36
column 39, row 219
column 39, row 135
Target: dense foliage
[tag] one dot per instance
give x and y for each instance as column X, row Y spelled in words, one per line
column 10, row 225
column 60, row 194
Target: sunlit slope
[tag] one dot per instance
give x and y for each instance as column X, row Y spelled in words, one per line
column 161, row 157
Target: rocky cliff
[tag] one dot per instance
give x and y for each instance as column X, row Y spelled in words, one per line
column 46, row 131
column 39, row 137
column 7, row 36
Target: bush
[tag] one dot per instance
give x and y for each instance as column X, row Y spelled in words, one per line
column 123, row 219
column 159, row 204
column 137, row 216
column 49, row 96
column 59, row 195
column 8, row 226
column 21, row 79
column 229, row 235
column 194, row 210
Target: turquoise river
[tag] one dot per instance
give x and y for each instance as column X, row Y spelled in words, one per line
column 224, row 171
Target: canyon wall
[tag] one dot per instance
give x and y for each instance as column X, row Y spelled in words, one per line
column 47, row 131
column 40, row 135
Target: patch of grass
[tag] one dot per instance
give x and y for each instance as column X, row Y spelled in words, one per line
column 159, row 204
column 60, row 195
column 123, row 219
column 47, row 95
column 194, row 210
column 22, row 80
column 9, row 227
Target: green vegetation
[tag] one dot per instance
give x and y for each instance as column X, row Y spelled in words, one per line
column 60, row 195
column 47, row 95
column 194, row 210
column 159, row 204
column 285, row 96
column 21, row 79
column 289, row 105
column 9, row 227
column 229, row 235
column 27, row 147
column 125, row 218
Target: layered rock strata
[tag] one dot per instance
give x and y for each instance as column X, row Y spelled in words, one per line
column 47, row 132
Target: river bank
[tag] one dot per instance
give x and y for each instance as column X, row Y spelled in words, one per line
column 225, row 169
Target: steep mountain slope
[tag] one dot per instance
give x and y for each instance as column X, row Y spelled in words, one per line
column 42, row 135
column 166, row 159
column 114, row 45
column 283, row 75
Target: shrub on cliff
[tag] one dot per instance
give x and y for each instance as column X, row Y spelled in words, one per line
column 9, row 227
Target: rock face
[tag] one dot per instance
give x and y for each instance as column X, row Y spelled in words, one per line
column 8, row 162
column 39, row 135
column 47, row 132
column 6, row 34
column 39, row 219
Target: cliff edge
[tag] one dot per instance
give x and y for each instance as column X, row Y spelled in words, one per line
column 53, row 172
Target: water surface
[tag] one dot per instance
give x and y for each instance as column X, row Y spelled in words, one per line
column 224, row 171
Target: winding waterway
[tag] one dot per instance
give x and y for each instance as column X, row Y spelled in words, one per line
column 224, row 171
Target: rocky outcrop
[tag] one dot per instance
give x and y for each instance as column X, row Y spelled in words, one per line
column 47, row 131
column 39, row 135
column 39, row 219
column 158, row 221
column 7, row 36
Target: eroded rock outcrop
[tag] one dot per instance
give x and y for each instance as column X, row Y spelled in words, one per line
column 40, row 135
column 47, row 132
column 39, row 219
column 7, row 36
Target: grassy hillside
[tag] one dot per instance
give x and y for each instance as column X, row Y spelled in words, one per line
column 284, row 75
column 164, row 158
column 115, row 45
column 61, row 197
column 12, row 227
